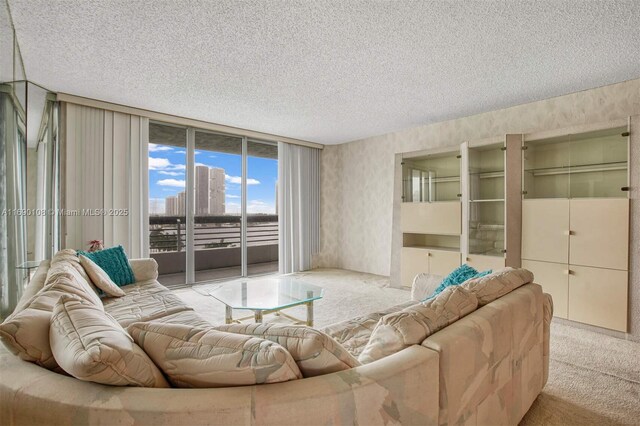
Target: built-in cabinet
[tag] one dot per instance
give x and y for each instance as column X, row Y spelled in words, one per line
column 575, row 223
column 430, row 214
column 555, row 203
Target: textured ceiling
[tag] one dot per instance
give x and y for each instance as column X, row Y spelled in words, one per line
column 324, row 71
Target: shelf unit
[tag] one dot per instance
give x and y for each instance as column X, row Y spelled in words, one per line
column 575, row 222
column 431, row 213
column 488, row 198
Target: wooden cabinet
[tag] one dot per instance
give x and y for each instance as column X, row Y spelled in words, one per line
column 600, row 232
column 482, row 263
column 598, row 296
column 545, row 230
column 575, row 223
column 442, row 218
column 442, row 262
column 554, row 279
column 417, row 260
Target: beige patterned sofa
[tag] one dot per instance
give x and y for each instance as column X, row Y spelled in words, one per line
column 486, row 368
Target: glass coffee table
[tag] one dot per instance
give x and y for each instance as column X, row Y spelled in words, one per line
column 267, row 296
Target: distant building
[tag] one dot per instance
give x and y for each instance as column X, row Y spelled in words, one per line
column 182, row 203
column 276, row 198
column 171, row 206
column 202, row 190
column 217, row 189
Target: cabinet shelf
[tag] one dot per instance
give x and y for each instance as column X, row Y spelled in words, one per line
column 492, row 174
column 582, row 168
column 493, row 200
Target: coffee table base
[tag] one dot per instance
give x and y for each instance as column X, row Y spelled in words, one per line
column 258, row 315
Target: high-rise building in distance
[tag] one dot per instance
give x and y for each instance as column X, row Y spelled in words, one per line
column 216, row 191
column 171, row 206
column 202, row 190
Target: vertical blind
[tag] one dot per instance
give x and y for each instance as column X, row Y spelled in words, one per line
column 299, row 206
column 106, row 164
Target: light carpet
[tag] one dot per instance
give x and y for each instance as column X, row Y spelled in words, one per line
column 594, row 379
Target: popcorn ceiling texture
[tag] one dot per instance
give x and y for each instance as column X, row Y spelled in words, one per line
column 358, row 230
column 326, row 71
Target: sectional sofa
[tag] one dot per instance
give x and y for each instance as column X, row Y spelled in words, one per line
column 485, row 368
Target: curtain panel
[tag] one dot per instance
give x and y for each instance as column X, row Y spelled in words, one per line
column 106, row 179
column 298, row 206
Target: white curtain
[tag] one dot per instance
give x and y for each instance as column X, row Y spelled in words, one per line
column 106, row 171
column 298, row 206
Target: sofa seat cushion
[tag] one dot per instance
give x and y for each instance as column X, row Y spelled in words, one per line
column 205, row 358
column 143, row 301
column 493, row 286
column 91, row 346
column 353, row 334
column 26, row 331
column 399, row 330
column 315, row 352
column 190, row 318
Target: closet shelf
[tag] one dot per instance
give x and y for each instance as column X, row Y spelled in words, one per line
column 489, row 174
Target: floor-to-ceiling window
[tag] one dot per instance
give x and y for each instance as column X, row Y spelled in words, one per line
column 212, row 205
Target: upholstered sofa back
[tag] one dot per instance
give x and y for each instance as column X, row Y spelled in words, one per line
column 458, row 375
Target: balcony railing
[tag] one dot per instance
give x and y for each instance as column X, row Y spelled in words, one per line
column 217, row 246
column 168, row 233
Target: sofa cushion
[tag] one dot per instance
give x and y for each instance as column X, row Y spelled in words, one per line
column 204, row 357
column 493, row 286
column 26, row 332
column 115, row 263
column 66, row 263
column 412, row 325
column 353, row 334
column 143, row 301
column 91, row 346
column 99, row 277
column 315, row 352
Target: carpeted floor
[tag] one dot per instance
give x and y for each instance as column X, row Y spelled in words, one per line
column 594, row 379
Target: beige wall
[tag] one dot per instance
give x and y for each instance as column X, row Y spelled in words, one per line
column 357, row 194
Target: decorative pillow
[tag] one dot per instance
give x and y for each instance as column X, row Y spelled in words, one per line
column 100, row 278
column 493, row 286
column 91, row 346
column 194, row 357
column 115, row 263
column 26, row 332
column 315, row 352
column 457, row 277
column 399, row 330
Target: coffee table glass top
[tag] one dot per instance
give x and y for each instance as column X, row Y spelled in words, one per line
column 266, row 293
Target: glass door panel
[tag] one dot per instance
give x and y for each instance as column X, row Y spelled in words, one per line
column 217, row 232
column 546, row 168
column 486, row 200
column 167, row 206
column 599, row 164
column 262, row 210
column 431, row 178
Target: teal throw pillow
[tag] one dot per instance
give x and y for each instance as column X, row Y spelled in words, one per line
column 457, row 277
column 114, row 262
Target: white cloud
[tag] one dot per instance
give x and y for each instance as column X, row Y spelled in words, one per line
column 181, row 151
column 232, row 208
column 164, row 172
column 238, row 180
column 156, row 163
column 232, row 196
column 171, row 182
column 156, row 148
column 258, row 206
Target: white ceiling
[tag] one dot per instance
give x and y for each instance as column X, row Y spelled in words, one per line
column 326, row 71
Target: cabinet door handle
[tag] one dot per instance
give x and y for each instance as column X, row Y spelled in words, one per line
column 428, row 254
column 568, row 272
column 569, row 232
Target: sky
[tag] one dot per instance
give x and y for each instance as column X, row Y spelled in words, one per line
column 167, row 177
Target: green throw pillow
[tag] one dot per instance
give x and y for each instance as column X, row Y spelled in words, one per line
column 114, row 262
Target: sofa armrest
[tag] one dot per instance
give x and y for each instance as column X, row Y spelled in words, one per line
column 424, row 285
column 144, row 269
